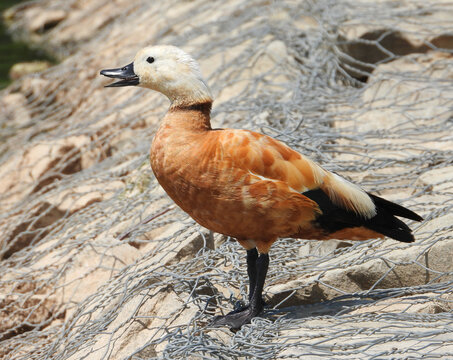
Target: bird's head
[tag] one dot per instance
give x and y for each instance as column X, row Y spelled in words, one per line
column 166, row 69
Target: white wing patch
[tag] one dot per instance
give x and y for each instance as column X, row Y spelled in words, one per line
column 274, row 180
column 348, row 195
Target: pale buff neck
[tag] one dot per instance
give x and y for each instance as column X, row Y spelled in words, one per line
column 186, row 90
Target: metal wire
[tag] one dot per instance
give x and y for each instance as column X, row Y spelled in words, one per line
column 97, row 262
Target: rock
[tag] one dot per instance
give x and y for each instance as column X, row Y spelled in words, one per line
column 35, row 88
column 25, row 68
column 428, row 303
column 423, row 303
column 180, row 249
column 42, row 298
column 388, row 94
column 263, row 65
column 86, row 20
column 34, row 163
column 307, row 23
column 399, row 269
column 40, row 19
column 321, row 248
column 28, row 228
column 27, row 301
column 37, row 166
column 439, row 225
column 272, row 65
column 14, row 110
column 438, row 180
column 277, row 51
column 373, row 43
column 366, row 337
column 295, row 293
column 13, row 13
column 91, row 268
column 33, row 311
column 72, row 200
column 144, row 321
column 74, row 23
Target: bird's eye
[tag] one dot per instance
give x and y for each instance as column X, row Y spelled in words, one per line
column 150, row 60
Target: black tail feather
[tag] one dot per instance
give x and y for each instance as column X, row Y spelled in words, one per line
column 394, row 209
column 385, row 222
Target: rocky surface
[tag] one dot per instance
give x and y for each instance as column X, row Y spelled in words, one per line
column 383, row 41
column 98, row 263
column 25, row 68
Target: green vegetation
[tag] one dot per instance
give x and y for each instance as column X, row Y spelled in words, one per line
column 12, row 52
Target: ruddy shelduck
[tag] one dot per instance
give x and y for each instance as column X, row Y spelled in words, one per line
column 244, row 184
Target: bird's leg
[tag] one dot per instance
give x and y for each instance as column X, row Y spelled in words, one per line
column 252, row 256
column 256, row 302
column 236, row 319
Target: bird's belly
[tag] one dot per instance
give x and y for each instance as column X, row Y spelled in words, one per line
column 220, row 211
column 218, row 208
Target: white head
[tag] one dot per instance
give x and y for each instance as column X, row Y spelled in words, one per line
column 166, row 69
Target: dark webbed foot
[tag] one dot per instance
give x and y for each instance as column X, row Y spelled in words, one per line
column 257, row 270
column 235, row 319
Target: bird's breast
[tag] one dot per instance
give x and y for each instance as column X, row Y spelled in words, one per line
column 191, row 170
column 185, row 166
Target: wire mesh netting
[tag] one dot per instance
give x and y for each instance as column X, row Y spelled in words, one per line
column 98, row 263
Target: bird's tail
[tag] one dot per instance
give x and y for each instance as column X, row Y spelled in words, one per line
column 386, row 222
column 339, row 222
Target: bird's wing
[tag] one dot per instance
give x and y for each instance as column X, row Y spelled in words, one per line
column 271, row 160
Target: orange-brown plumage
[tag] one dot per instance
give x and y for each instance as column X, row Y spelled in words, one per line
column 240, row 183
column 245, row 184
column 220, row 178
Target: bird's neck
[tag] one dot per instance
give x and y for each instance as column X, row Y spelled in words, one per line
column 187, row 91
column 189, row 117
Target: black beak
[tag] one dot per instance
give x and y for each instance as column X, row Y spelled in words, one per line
column 126, row 74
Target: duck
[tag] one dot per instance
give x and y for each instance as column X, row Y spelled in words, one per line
column 245, row 184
